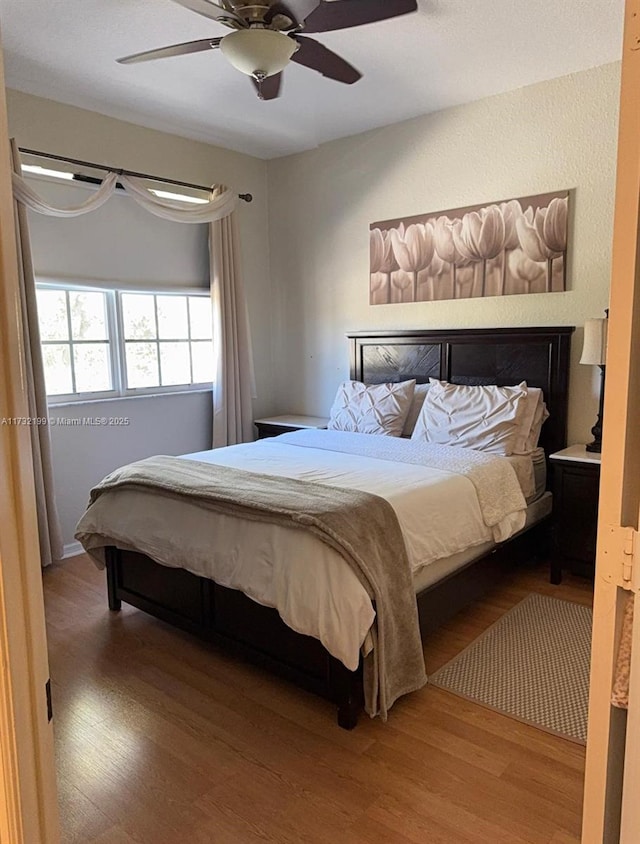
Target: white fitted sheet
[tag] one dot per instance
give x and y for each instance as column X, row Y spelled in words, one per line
column 436, row 571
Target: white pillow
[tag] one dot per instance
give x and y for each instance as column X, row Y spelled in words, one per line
column 371, row 409
column 541, row 416
column 414, row 411
column 531, row 419
column 481, row 417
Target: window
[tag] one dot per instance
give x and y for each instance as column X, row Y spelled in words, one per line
column 109, row 343
column 75, row 341
column 167, row 339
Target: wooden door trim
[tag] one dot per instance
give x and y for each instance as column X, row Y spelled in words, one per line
column 620, row 480
column 29, row 811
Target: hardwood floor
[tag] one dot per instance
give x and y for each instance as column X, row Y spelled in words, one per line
column 162, row 739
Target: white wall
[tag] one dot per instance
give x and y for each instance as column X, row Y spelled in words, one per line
column 555, row 135
column 84, row 453
column 161, row 425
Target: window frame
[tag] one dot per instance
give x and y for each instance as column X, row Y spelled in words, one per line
column 122, row 345
column 117, row 343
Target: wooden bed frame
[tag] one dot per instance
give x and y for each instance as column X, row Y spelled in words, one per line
column 500, row 356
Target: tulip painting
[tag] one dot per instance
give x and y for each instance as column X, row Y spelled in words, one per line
column 509, row 247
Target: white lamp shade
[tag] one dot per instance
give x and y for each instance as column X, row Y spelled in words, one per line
column 594, row 349
column 258, row 51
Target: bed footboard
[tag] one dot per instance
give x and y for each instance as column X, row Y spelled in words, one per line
column 228, row 618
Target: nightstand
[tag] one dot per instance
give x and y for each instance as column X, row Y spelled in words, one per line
column 576, row 481
column 272, row 426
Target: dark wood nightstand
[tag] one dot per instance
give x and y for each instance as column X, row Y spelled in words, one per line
column 272, row 426
column 576, row 481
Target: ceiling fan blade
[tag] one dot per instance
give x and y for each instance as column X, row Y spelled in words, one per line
column 316, row 56
column 213, row 12
column 269, row 88
column 173, row 50
column 296, row 10
column 345, row 13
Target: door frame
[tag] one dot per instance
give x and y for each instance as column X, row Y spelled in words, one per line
column 28, row 799
column 608, row 786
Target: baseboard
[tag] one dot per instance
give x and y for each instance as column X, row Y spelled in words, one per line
column 71, row 550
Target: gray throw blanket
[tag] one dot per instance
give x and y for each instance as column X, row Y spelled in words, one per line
column 361, row 527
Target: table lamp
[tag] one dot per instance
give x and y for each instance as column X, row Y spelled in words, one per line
column 594, row 353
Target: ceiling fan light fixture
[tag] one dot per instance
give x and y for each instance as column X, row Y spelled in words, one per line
column 258, row 52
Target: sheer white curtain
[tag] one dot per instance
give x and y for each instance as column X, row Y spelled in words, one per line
column 222, row 203
column 24, row 194
column 234, row 384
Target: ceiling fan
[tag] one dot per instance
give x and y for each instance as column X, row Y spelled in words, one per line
column 268, row 35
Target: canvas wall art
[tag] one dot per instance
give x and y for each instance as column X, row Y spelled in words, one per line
column 498, row 249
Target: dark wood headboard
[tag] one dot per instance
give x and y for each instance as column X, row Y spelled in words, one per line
column 502, row 356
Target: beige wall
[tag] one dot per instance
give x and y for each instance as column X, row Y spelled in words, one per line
column 53, row 127
column 551, row 136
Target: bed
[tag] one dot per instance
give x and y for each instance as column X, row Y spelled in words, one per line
column 227, row 616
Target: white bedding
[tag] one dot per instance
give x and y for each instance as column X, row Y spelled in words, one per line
column 440, row 512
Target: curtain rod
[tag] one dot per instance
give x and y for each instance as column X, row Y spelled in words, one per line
column 247, row 197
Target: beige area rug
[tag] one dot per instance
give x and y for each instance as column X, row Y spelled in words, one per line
column 532, row 664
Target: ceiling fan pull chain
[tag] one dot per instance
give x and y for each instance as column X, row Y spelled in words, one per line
column 259, row 77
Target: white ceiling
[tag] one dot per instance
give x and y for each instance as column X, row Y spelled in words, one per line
column 447, row 53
